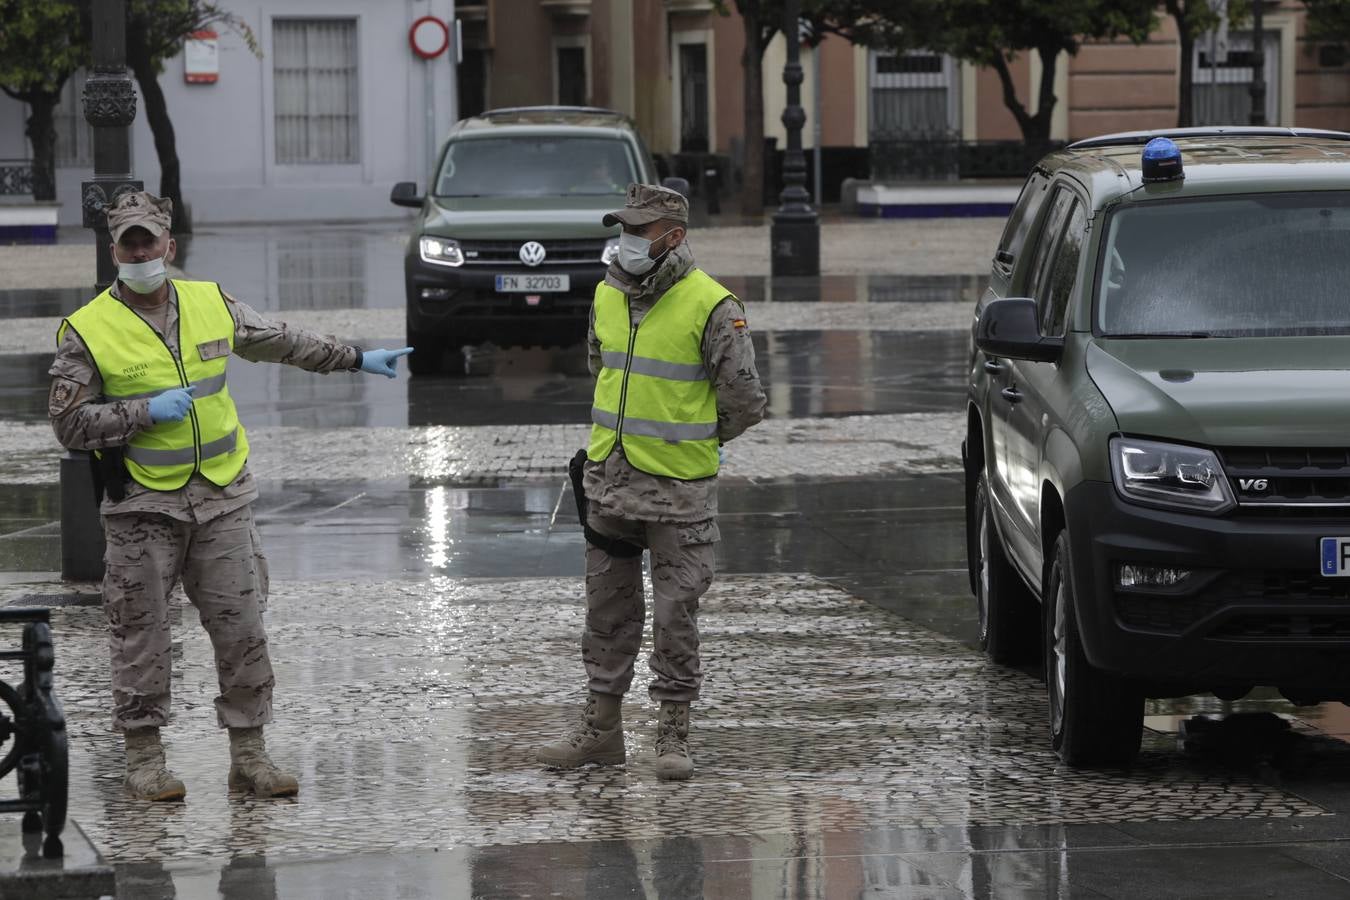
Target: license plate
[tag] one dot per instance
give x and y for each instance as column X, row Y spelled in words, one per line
column 533, row 284
column 1336, row 557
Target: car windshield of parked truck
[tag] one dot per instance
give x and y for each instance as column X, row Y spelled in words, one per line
column 1254, row 265
column 536, row 167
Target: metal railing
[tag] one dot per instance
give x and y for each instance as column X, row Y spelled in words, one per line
column 949, row 159
column 16, row 177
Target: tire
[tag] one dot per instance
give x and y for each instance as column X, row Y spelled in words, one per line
column 1096, row 719
column 1009, row 619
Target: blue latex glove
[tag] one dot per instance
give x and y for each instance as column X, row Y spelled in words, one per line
column 171, row 405
column 721, row 456
column 382, row 362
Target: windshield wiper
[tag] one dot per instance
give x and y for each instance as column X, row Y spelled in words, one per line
column 1162, row 334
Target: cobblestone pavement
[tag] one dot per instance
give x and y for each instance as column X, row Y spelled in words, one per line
column 411, row 712
column 779, row 448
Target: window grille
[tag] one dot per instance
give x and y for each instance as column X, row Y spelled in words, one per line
column 315, row 90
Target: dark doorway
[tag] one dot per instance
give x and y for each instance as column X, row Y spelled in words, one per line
column 473, row 82
column 572, row 76
column 693, row 98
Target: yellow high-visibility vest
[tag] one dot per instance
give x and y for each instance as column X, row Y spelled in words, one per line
column 135, row 362
column 653, row 396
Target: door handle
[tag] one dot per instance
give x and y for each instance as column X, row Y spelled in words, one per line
column 993, row 366
column 1012, row 395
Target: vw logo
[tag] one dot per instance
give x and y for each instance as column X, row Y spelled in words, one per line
column 532, row 253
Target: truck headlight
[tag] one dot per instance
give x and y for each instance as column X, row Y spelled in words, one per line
column 611, row 251
column 441, row 251
column 1170, row 475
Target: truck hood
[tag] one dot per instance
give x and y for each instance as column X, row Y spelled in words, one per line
column 1228, row 391
column 519, row 218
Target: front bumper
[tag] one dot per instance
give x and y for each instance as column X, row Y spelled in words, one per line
column 1255, row 611
column 464, row 301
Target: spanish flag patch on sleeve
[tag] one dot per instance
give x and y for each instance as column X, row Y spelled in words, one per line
column 738, row 323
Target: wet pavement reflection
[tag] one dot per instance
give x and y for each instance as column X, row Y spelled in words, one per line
column 851, row 744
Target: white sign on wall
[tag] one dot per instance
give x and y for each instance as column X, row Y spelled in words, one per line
column 201, row 58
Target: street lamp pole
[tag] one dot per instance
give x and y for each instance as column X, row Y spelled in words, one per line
column 795, row 233
column 109, row 106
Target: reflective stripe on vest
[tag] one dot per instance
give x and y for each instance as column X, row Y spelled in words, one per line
column 135, row 363
column 653, row 395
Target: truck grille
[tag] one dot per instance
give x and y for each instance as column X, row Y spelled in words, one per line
column 1260, row 595
column 1310, row 478
column 557, row 253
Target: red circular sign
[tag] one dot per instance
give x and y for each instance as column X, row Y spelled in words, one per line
column 429, row 37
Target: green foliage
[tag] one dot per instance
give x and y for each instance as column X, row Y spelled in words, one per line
column 41, row 44
column 158, row 28
column 1328, row 20
column 987, row 31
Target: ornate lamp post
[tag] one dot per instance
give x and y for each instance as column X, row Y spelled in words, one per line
column 109, row 106
column 795, row 233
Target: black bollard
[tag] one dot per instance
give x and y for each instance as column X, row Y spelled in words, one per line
column 712, row 186
column 81, row 527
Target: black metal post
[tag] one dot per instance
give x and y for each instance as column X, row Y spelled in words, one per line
column 1258, row 89
column 795, row 233
column 109, row 106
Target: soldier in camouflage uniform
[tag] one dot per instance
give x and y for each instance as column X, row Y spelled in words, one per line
column 634, row 500
column 201, row 531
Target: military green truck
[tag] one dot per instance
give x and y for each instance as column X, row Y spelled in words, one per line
column 507, row 244
column 1157, row 452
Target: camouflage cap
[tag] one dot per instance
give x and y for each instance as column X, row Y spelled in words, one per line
column 140, row 209
column 649, row 202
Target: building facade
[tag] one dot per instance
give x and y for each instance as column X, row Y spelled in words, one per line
column 336, row 107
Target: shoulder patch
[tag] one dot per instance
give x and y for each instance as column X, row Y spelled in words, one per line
column 738, row 323
column 62, row 395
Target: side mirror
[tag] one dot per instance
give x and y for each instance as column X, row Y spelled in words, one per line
column 677, row 184
column 405, row 194
column 1010, row 329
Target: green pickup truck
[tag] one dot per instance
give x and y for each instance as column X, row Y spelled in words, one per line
column 1157, row 451
column 507, row 245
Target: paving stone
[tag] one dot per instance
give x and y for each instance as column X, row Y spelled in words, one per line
column 411, row 711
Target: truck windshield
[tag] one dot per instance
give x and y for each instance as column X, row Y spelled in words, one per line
column 1242, row 266
column 536, row 167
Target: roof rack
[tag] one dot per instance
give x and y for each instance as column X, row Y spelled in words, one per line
column 518, row 110
column 1126, row 138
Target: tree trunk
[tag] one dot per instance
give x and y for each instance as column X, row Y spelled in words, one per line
column 166, row 146
column 41, row 131
column 1035, row 129
column 752, row 186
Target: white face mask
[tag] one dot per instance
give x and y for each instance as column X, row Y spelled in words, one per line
column 635, row 253
column 143, row 278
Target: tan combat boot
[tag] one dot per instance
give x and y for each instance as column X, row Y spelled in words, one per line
column 597, row 738
column 251, row 769
column 147, row 778
column 673, row 762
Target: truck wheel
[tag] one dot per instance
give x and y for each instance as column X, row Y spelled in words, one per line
column 1096, row 718
column 1009, row 619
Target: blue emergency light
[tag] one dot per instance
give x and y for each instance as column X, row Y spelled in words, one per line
column 1162, row 161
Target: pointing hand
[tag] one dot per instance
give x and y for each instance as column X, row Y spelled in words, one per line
column 382, row 362
column 171, row 405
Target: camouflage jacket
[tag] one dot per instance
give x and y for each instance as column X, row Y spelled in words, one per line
column 618, row 490
column 84, row 419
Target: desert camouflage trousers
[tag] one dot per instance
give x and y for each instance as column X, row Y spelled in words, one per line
column 682, row 561
column 224, row 575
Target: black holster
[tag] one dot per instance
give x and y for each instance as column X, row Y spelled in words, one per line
column 110, row 474
column 613, row 546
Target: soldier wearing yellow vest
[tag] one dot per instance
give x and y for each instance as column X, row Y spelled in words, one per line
column 675, row 379
column 142, row 367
